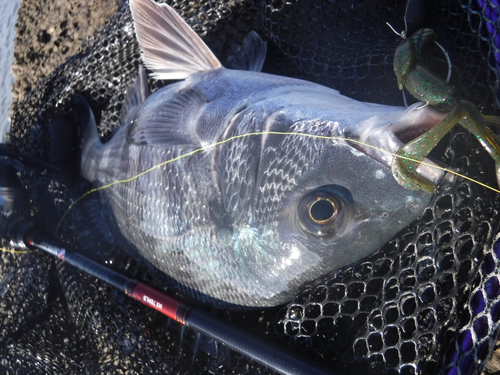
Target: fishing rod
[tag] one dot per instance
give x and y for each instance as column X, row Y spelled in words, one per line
column 23, row 234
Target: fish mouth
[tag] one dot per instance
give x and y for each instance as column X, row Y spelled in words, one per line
column 407, row 134
column 386, row 141
column 418, row 120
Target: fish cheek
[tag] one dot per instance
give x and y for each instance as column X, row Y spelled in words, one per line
column 325, row 212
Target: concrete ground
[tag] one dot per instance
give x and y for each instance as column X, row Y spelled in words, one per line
column 50, row 31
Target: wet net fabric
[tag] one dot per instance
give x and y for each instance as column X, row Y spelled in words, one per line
column 428, row 302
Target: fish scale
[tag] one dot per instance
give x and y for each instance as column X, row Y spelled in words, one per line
column 282, row 173
column 239, row 173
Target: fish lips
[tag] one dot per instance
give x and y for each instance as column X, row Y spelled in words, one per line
column 383, row 142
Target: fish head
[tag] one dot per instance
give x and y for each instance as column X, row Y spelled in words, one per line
column 330, row 197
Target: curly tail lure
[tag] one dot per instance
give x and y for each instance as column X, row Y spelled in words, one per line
column 476, row 339
column 431, row 89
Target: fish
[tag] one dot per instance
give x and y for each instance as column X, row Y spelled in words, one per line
column 240, row 185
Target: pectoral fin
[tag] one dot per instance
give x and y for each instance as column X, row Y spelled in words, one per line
column 168, row 124
column 250, row 56
column 87, row 124
column 89, row 137
column 136, row 95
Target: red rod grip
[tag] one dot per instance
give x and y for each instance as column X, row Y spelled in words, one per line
column 169, row 306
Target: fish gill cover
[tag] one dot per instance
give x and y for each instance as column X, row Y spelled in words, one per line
column 427, row 301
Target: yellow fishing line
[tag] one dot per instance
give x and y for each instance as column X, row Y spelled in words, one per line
column 15, row 251
column 258, row 134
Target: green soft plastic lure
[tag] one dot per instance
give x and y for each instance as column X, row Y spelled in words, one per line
column 432, row 90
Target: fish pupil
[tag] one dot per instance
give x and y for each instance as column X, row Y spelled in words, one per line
column 322, row 210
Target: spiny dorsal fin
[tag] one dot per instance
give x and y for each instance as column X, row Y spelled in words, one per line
column 170, row 48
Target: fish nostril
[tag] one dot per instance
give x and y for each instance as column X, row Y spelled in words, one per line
column 322, row 210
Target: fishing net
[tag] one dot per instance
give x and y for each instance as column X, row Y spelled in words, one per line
column 427, row 302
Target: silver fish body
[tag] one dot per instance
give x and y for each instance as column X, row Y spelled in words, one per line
column 248, row 221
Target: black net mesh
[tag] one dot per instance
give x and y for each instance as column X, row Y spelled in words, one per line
column 396, row 311
column 426, row 303
column 348, row 45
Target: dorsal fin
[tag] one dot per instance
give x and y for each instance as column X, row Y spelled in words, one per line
column 169, row 47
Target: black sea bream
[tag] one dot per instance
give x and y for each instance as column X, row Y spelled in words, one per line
column 248, row 221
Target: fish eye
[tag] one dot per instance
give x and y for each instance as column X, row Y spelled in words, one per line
column 322, row 210
column 322, row 213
